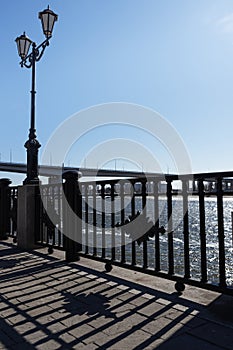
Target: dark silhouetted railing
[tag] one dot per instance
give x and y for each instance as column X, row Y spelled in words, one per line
column 8, row 209
column 50, row 212
column 177, row 227
column 13, row 212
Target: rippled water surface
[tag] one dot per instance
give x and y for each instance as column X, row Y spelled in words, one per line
column 211, row 228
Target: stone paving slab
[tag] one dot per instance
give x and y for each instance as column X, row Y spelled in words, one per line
column 46, row 303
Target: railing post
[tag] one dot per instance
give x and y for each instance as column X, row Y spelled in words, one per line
column 201, row 195
column 221, row 235
column 72, row 216
column 186, row 229
column 4, row 208
column 134, row 260
column 156, row 211
column 28, row 216
column 145, row 253
column 170, row 227
column 122, row 206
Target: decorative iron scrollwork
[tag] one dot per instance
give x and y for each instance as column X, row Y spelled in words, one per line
column 138, row 223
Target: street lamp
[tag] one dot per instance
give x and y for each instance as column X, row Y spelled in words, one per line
column 28, row 60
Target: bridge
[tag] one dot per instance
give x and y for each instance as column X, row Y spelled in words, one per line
column 53, row 170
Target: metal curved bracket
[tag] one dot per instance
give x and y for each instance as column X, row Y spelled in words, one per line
column 39, row 53
column 35, row 55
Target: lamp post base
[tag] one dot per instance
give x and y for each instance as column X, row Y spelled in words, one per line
column 32, row 146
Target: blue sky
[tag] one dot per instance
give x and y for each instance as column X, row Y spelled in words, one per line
column 174, row 56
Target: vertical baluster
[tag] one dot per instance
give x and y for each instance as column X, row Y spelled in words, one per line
column 49, row 224
column 94, row 220
column 41, row 215
column 45, row 234
column 133, row 261
column 103, row 219
column 186, row 229
column 14, row 210
column 145, row 258
column 50, row 229
column 60, row 215
column 170, row 228
column 46, row 237
column 11, row 191
column 46, row 226
column 156, row 212
column 41, row 226
column 122, row 192
column 37, row 219
column 53, row 205
column 42, row 194
column 11, row 196
column 221, row 236
column 113, row 251
column 201, row 194
column 86, row 218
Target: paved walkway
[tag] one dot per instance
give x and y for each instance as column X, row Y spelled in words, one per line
column 46, row 303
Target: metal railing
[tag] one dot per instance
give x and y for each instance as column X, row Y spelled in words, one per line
column 13, row 192
column 50, row 228
column 54, row 216
column 176, row 227
column 8, row 210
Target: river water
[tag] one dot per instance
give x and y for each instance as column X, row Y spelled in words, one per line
column 211, row 227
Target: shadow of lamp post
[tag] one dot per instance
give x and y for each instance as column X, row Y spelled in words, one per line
column 28, row 60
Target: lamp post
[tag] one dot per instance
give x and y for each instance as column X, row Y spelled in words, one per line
column 28, row 60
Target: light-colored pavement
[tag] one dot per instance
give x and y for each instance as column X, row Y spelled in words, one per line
column 46, row 303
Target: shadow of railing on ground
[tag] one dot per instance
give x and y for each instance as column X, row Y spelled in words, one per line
column 47, row 302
